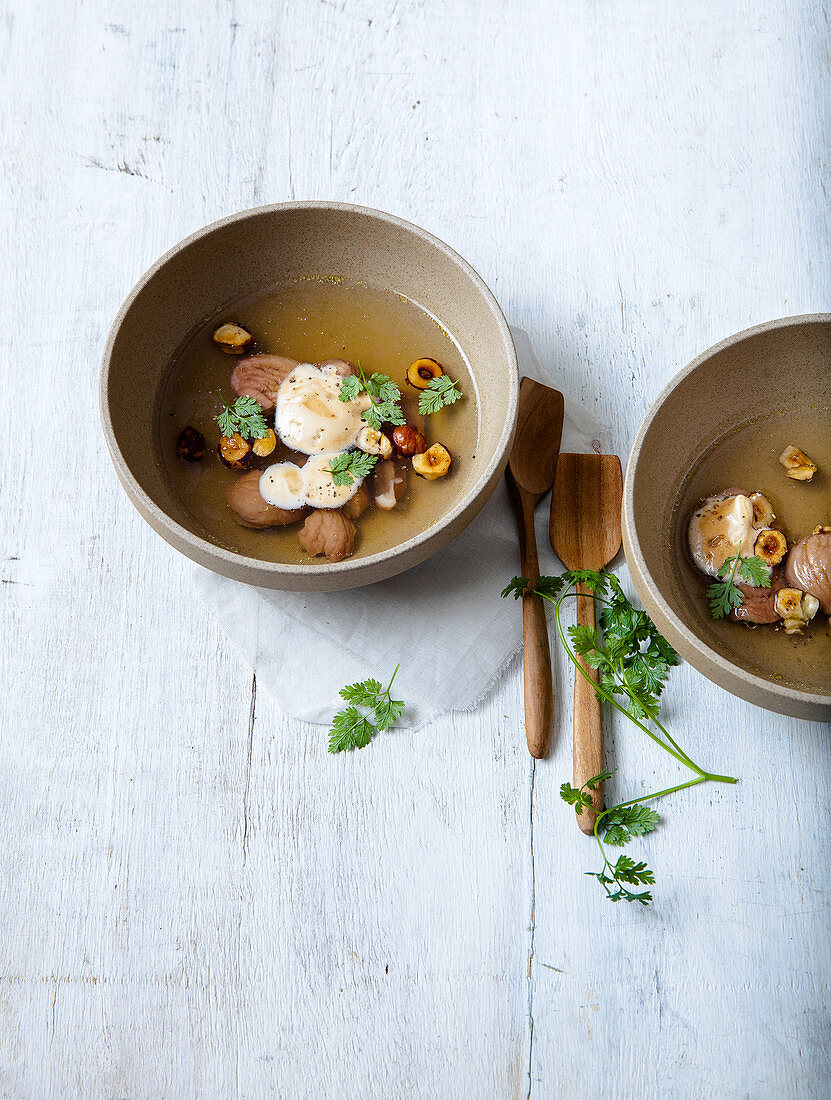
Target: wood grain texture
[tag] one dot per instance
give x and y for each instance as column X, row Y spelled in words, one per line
column 531, row 469
column 197, row 900
column 585, row 533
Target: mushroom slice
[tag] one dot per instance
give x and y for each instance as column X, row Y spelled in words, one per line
column 719, row 529
column 283, row 485
column 320, row 488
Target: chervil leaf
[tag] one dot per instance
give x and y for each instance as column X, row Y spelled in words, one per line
column 574, row 796
column 351, row 387
column 440, row 391
column 636, row 874
column 350, row 730
column 596, row 780
column 617, row 835
column 382, row 389
column 349, row 465
column 366, row 692
column 387, row 712
column 353, row 728
column 755, row 572
column 516, row 588
column 245, row 417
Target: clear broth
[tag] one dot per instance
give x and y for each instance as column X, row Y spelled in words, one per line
column 311, row 319
column 748, row 458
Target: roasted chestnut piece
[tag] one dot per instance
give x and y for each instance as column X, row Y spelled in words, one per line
column 771, row 546
column 264, row 446
column 408, row 441
column 234, row 452
column 422, row 372
column 373, row 442
column 233, row 339
column 797, row 464
column 434, row 463
column 795, row 608
column 190, row 446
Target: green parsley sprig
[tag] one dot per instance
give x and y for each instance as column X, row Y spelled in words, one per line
column 724, row 594
column 384, row 396
column 633, row 661
column 353, row 728
column 349, row 465
column 440, row 391
column 244, row 417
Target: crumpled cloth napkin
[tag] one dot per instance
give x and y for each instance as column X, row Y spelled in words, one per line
column 443, row 621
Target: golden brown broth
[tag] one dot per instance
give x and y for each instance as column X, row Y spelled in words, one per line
column 748, row 458
column 312, row 319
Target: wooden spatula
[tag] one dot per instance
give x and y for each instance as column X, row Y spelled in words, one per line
column 531, row 470
column 585, row 534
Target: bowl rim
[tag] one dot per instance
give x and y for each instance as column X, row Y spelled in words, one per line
column 707, row 660
column 230, row 558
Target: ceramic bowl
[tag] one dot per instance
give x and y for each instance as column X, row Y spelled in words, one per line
column 783, row 365
column 245, row 253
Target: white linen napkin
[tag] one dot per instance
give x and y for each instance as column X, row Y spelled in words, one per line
column 304, row 646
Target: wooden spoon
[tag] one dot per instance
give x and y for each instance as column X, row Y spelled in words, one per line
column 585, row 534
column 530, row 474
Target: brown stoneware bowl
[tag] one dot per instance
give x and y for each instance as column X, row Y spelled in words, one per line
column 248, row 252
column 780, row 366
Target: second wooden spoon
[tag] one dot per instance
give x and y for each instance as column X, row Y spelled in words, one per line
column 585, row 534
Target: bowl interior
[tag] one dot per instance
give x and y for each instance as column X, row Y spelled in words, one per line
column 251, row 251
column 784, row 367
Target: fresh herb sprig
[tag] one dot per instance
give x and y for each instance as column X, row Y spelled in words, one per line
column 244, row 417
column 441, row 391
column 632, row 661
column 354, row 728
column 724, row 594
column 384, row 396
column 349, row 465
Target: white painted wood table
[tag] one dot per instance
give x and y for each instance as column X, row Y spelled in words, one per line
column 197, row 900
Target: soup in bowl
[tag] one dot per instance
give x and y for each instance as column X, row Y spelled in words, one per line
column 309, row 396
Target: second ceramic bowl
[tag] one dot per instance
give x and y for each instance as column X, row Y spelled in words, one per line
column 779, row 367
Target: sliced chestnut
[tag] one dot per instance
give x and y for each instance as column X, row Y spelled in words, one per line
column 190, row 446
column 422, row 372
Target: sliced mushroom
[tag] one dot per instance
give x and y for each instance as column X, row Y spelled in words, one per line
column 719, row 529
column 389, row 484
column 320, row 487
column 283, row 485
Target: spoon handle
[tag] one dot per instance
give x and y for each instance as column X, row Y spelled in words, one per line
column 588, row 728
column 539, row 691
